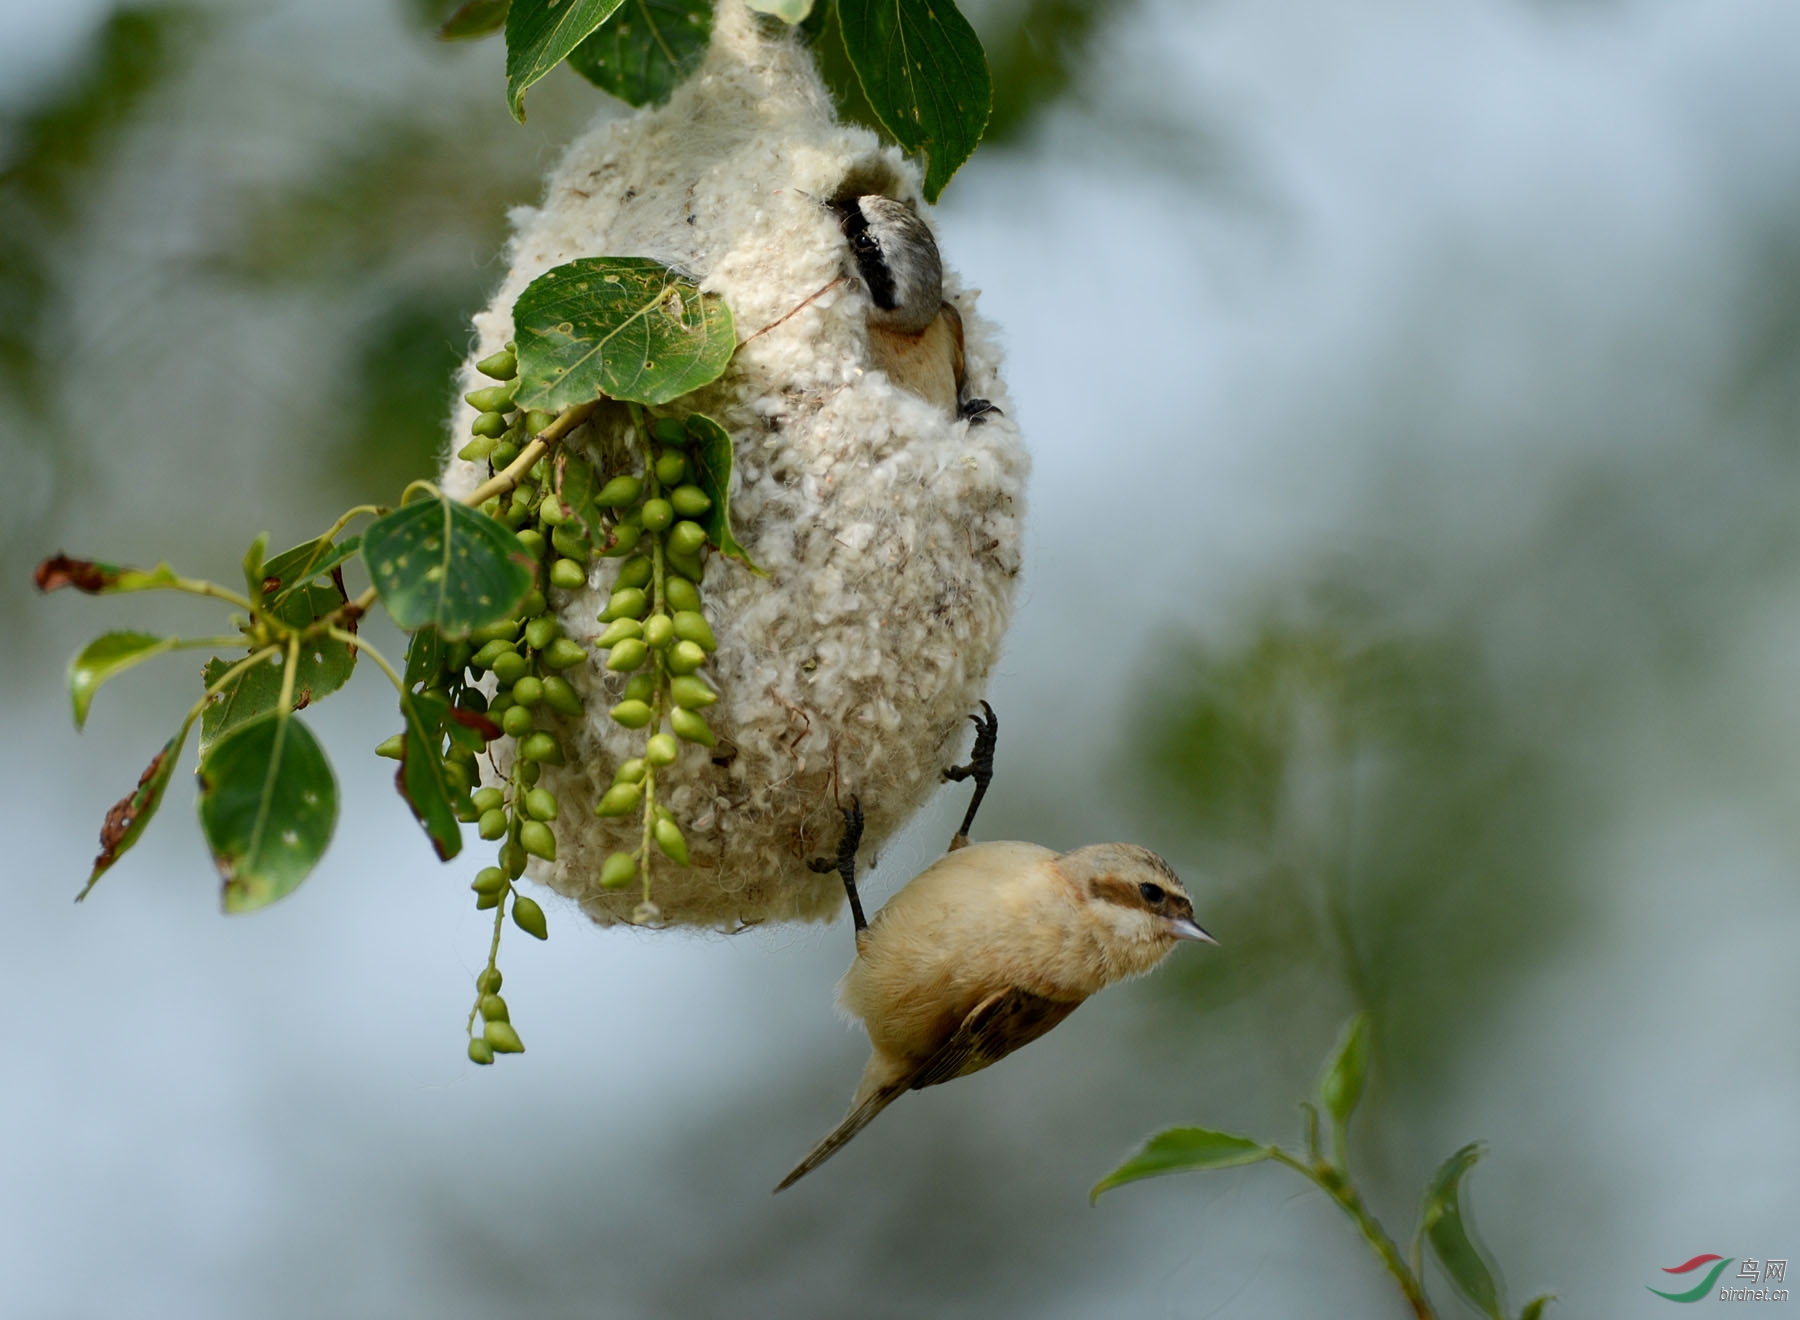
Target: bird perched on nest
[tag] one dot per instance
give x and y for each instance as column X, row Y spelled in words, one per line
column 991, row 947
column 915, row 336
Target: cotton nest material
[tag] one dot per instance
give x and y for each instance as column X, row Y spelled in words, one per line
column 890, row 531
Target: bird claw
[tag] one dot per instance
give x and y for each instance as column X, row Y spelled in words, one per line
column 845, row 861
column 980, row 768
column 975, row 411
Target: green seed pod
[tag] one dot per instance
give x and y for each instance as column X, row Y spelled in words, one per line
column 504, row 453
column 488, row 980
column 531, row 606
column 550, row 511
column 393, row 748
column 560, row 697
column 626, row 603
column 658, row 514
column 691, row 626
column 486, row 799
column 532, row 540
column 661, row 749
column 456, row 658
column 491, row 425
column 659, row 631
column 563, row 654
column 671, row 468
column 620, row 870
column 478, row 450
column 541, row 804
column 624, row 540
column 619, row 800
column 634, row 572
column 502, row 1039
column 528, row 691
column 619, row 492
column 669, row 430
column 512, row 859
column 689, row 566
column 668, row 837
column 503, row 631
column 686, row 538
column 627, row 656
column 539, row 840
column 480, row 1051
column 690, row 692
column 489, row 880
column 541, row 747
column 494, row 398
column 541, row 631
column 571, row 541
column 641, row 687
column 630, row 772
column 529, row 917
column 528, row 773
column 456, row 777
column 537, row 421
column 499, row 366
column 492, row 824
column 567, row 575
column 493, row 1008
column 685, row 658
column 517, row 721
column 486, row 902
column 691, row 726
column 682, row 595
column 617, row 631
column 690, row 501
column 502, row 703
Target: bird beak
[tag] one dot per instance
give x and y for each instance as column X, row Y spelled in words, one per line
column 1185, row 928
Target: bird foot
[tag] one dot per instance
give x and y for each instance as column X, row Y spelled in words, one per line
column 845, row 862
column 980, row 768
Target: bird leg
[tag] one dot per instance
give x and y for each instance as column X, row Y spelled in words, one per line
column 980, row 768
column 845, row 865
column 975, row 411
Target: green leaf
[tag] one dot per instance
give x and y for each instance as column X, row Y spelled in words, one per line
column 649, row 48
column 539, row 36
column 421, row 779
column 575, row 487
column 131, row 813
column 617, row 327
column 305, row 564
column 925, row 75
column 788, row 11
column 1442, row 1223
column 109, row 654
column 1534, row 1309
column 268, row 803
column 324, row 667
column 101, row 579
column 1183, row 1150
column 709, row 450
column 424, row 658
column 1342, row 1085
column 253, row 566
column 476, row 18
column 437, row 563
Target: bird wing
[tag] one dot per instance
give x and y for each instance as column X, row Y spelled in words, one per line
column 996, row 1027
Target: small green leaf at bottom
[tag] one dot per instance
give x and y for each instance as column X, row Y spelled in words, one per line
column 709, row 447
column 1534, row 1309
column 1342, row 1085
column 421, row 778
column 1442, row 1224
column 1183, row 1150
column 268, row 804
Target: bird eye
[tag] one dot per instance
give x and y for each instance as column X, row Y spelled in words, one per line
column 1152, row 894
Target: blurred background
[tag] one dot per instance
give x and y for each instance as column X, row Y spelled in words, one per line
column 1414, row 561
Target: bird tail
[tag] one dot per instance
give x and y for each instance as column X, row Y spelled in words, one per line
column 858, row 1118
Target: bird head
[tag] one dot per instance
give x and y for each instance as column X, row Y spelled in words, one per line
column 897, row 258
column 1135, row 900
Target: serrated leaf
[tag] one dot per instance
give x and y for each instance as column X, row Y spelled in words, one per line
column 268, row 804
column 647, row 50
column 437, row 563
column 421, row 778
column 1443, row 1225
column 131, row 813
column 922, row 67
column 101, row 579
column 788, row 11
column 304, row 564
column 624, row 328
column 476, row 18
column 1342, row 1085
column 709, row 451
column 539, row 36
column 324, row 666
column 1183, row 1150
column 109, row 654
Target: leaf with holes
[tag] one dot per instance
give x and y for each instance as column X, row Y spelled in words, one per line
column 268, row 804
column 421, row 778
column 922, row 67
column 437, row 563
column 304, row 565
column 709, row 449
column 131, row 813
column 539, row 36
column 1183, row 1150
column 648, row 48
column 101, row 579
column 109, row 654
column 623, row 328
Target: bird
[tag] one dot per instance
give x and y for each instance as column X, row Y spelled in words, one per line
column 989, row 948
column 915, row 336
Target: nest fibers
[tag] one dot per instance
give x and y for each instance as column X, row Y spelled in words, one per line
column 890, row 531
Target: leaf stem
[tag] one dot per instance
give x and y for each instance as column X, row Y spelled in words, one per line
column 1338, row 1187
column 514, row 472
column 351, row 640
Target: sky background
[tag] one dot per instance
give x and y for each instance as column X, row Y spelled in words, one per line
column 1414, row 396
